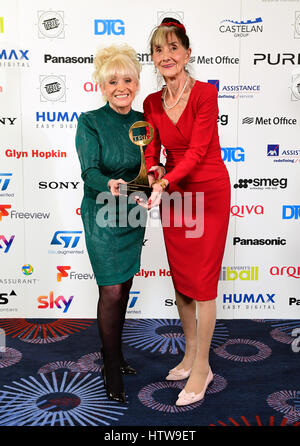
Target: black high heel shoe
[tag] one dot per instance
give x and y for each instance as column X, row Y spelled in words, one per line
column 118, row 396
column 125, row 368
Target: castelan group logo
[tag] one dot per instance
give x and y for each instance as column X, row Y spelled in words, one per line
column 51, row 25
column 241, row 28
column 235, row 91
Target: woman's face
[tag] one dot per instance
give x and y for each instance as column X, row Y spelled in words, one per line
column 120, row 91
column 171, row 57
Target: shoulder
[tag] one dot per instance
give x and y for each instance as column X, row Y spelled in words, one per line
column 205, row 89
column 153, row 98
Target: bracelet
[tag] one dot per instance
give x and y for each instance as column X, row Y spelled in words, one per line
column 163, row 183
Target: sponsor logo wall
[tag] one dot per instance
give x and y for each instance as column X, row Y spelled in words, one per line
column 46, row 83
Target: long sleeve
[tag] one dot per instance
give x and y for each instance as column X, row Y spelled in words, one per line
column 152, row 152
column 202, row 132
column 88, row 149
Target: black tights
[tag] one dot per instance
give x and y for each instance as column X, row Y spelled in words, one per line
column 111, row 313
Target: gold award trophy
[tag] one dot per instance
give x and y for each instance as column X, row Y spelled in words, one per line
column 141, row 133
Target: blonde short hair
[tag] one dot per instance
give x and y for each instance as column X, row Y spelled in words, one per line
column 116, row 59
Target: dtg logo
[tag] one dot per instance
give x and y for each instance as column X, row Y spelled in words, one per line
column 235, row 154
column 134, row 298
column 290, row 211
column 4, row 180
column 50, row 302
column 3, row 210
column 4, row 243
column 109, row 27
column 70, row 237
column 62, row 272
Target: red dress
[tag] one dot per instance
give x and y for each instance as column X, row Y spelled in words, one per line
column 193, row 165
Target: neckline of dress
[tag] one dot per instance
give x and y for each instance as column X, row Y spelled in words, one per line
column 113, row 112
column 188, row 101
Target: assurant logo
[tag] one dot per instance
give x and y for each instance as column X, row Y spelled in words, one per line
column 283, row 155
column 241, row 28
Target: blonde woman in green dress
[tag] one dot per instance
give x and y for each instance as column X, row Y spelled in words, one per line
column 108, row 158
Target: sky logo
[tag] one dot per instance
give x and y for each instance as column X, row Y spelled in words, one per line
column 4, row 180
column 273, row 150
column 108, row 26
column 66, row 238
column 62, row 272
column 214, row 82
column 233, row 154
column 135, row 295
column 50, row 302
column 6, row 244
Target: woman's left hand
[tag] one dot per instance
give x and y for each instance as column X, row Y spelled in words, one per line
column 155, row 197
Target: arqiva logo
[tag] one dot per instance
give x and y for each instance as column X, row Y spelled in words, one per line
column 243, row 210
column 50, row 302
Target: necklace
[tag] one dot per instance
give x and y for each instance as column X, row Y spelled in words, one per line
column 168, row 107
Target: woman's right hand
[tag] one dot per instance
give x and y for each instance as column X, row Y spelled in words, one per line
column 114, row 186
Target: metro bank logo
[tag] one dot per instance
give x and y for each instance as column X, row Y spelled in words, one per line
column 109, row 26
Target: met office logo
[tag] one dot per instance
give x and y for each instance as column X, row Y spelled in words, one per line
column 53, row 88
column 51, row 24
column 109, row 26
column 241, row 28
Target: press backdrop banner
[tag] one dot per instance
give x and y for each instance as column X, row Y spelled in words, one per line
column 250, row 50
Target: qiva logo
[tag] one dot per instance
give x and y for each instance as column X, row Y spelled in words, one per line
column 109, row 26
column 6, row 244
column 243, row 210
column 290, row 212
column 51, row 302
column 69, row 239
column 62, row 272
column 4, row 180
column 3, row 210
column 233, row 154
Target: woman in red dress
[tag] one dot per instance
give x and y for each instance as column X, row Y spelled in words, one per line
column 184, row 117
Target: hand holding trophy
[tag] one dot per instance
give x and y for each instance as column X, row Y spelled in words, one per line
column 141, row 133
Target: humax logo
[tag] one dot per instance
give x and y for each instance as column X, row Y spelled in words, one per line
column 51, row 302
column 290, row 212
column 13, row 55
column 248, row 298
column 233, row 154
column 69, row 239
column 109, row 26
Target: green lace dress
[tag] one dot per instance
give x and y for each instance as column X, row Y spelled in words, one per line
column 105, row 151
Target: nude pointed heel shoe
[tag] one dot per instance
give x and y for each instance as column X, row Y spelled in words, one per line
column 178, row 374
column 184, row 398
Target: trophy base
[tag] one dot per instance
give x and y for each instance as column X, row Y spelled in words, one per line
column 139, row 190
